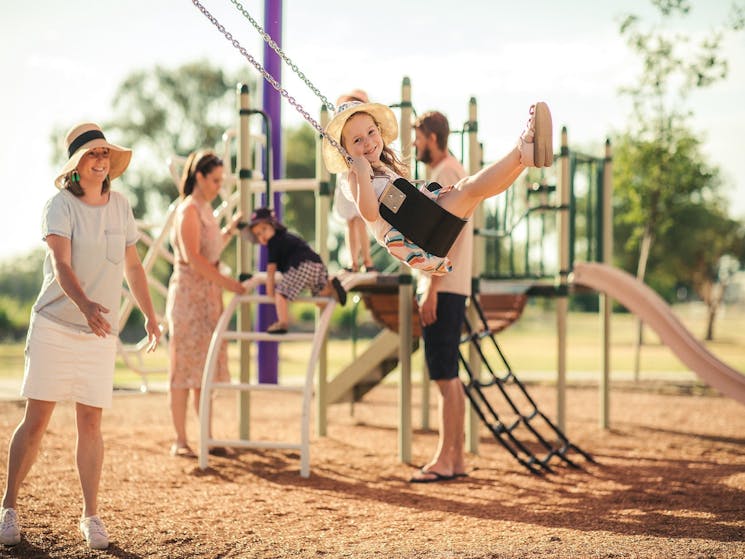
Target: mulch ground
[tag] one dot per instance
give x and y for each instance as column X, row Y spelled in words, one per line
column 669, row 481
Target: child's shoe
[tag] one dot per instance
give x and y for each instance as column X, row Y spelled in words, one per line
column 277, row 328
column 10, row 530
column 340, row 294
column 536, row 142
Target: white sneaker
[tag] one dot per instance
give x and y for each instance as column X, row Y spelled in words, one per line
column 10, row 530
column 94, row 532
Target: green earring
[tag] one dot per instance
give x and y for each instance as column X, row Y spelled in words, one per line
column 75, row 177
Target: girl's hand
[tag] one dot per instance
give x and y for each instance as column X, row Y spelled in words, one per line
column 360, row 167
column 379, row 166
column 237, row 217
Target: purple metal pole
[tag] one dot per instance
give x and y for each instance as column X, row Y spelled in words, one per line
column 268, row 354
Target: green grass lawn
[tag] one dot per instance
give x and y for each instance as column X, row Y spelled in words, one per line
column 530, row 345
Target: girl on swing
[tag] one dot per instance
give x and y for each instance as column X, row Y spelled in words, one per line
column 366, row 129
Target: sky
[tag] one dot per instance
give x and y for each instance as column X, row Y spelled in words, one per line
column 62, row 63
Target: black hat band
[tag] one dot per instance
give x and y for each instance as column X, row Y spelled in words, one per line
column 83, row 139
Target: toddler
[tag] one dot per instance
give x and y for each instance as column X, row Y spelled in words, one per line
column 300, row 265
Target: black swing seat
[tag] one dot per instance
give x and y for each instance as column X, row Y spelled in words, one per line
column 419, row 218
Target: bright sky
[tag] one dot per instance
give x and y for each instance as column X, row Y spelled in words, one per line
column 62, row 62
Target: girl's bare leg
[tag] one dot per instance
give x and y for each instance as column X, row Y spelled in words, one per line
column 489, row 181
column 353, row 244
column 283, row 313
column 352, row 247
column 534, row 148
column 364, row 241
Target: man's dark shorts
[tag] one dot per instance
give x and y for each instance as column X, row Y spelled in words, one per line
column 441, row 339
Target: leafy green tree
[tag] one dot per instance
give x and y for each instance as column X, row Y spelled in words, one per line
column 300, row 163
column 163, row 112
column 653, row 182
column 20, row 281
column 658, row 169
column 21, row 278
column 672, row 66
column 700, row 244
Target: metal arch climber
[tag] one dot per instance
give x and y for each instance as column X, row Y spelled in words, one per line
column 434, row 230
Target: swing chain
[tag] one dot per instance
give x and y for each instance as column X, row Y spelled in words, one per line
column 276, row 48
column 274, row 83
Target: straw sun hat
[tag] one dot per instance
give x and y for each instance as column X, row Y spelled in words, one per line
column 384, row 116
column 87, row 136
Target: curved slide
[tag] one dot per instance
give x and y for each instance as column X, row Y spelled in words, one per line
column 641, row 300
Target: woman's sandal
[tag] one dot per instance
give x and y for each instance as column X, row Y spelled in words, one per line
column 182, row 451
column 536, row 142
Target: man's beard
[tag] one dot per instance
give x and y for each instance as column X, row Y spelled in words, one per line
column 424, row 156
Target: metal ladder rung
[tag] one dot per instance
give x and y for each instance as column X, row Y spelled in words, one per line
column 238, row 443
column 503, row 432
column 266, row 337
column 220, row 334
column 246, row 386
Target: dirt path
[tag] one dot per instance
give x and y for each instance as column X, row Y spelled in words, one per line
column 669, row 482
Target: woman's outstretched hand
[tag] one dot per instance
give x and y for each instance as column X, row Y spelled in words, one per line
column 93, row 313
column 234, row 285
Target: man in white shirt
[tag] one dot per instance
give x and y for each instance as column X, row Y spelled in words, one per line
column 442, row 303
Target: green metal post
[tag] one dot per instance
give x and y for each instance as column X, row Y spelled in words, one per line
column 245, row 253
column 322, row 229
column 479, row 251
column 606, row 303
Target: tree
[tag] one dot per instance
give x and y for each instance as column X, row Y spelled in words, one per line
column 700, row 244
column 300, row 163
column 162, row 112
column 651, row 178
column 19, row 287
column 672, row 66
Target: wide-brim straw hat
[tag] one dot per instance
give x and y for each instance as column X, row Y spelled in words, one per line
column 382, row 114
column 87, row 136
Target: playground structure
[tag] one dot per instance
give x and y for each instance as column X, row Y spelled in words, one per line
column 222, row 332
column 499, row 297
column 502, row 292
column 390, row 298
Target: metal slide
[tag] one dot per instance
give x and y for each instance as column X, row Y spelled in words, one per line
column 641, row 300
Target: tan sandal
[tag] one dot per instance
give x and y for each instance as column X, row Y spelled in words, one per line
column 536, row 142
column 182, row 451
